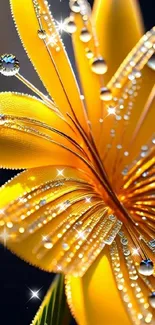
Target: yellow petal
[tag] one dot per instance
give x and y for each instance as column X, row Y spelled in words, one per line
column 111, row 291
column 39, row 211
column 142, row 126
column 134, row 102
column 119, row 27
column 48, row 56
column 54, row 217
column 91, row 83
column 23, row 142
column 95, row 299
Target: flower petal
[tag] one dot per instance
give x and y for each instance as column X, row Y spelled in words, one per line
column 113, row 280
column 134, row 94
column 119, row 27
column 48, row 55
column 38, row 208
column 91, row 83
column 142, row 126
column 28, row 134
column 94, row 298
column 55, row 218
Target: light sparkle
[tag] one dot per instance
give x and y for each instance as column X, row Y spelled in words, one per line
column 81, row 234
column 88, row 199
column 52, row 40
column 60, row 172
column 44, row 238
column 61, row 26
column 4, row 235
column 111, row 110
column 135, row 251
column 34, row 294
column 2, row 212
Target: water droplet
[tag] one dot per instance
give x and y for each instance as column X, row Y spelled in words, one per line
column 112, row 218
column 105, row 94
column 9, row 224
column 151, row 62
column 144, row 148
column 153, row 141
column 126, row 252
column 143, row 154
column 152, row 299
column 42, row 34
column 75, row 6
column 126, row 117
column 42, row 202
column 124, row 241
column 9, row 65
column 48, row 244
column 21, row 230
column 152, row 243
column 85, row 35
column 131, row 76
column 89, row 54
column 119, row 146
column 148, row 44
column 137, row 73
column 145, row 174
column 65, row 246
column 99, row 66
column 125, row 171
column 70, row 26
column 146, row 267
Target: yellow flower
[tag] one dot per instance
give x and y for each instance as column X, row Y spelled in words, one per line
column 85, row 204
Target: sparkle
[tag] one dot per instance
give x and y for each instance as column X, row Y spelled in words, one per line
column 59, row 268
column 21, row 200
column 4, row 236
column 2, row 212
column 135, row 251
column 111, row 110
column 44, row 238
column 34, row 294
column 64, row 205
column 47, row 243
column 81, row 234
column 61, row 26
column 88, row 199
column 60, row 172
column 52, row 40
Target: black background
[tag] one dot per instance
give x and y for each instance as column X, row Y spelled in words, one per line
column 15, row 275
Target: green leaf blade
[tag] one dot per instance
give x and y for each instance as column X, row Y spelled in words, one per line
column 54, row 309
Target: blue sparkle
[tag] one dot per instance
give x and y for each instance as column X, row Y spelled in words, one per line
column 8, row 59
column 147, row 262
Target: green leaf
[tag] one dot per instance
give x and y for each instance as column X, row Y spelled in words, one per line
column 54, row 309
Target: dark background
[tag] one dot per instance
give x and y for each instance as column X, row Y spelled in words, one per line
column 15, row 275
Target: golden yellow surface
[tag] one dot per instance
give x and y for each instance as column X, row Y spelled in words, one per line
column 89, row 80
column 23, row 150
column 119, row 27
column 95, row 297
column 26, row 182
